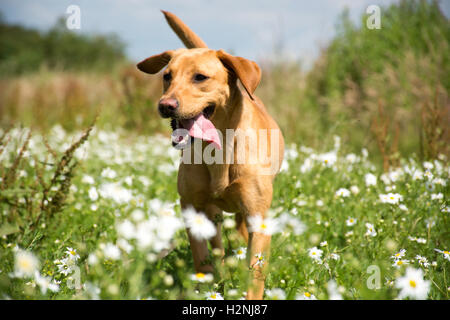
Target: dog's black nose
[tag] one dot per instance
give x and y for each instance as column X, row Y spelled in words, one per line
column 167, row 107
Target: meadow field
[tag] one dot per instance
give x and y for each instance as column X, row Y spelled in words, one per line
column 111, row 226
column 88, row 201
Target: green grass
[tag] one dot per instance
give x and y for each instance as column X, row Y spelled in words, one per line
column 145, row 181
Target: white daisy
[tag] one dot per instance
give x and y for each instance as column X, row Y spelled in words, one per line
column 202, row 277
column 45, row 283
column 351, row 221
column 200, row 227
column 111, row 251
column 417, row 175
column 124, row 245
column 305, row 296
column 428, row 174
column 352, row 158
column 229, row 223
column 287, row 221
column 65, row 266
column 145, row 236
column 370, row 179
column 116, row 192
column 108, row 173
column 335, row 256
column 342, row 192
column 370, row 230
column 398, row 263
column 437, row 196
column 412, row 285
column 399, row 254
column 392, row 198
column 93, row 194
column 266, row 226
column 92, row 259
column 72, row 254
column 418, row 240
column 126, row 229
column 26, row 264
column 440, row 181
column 260, row 259
column 446, row 253
column 328, row 159
column 240, row 253
column 428, row 165
column 276, row 294
column 137, row 215
column 87, row 179
column 354, row 189
column 315, row 254
column 423, row 261
column 213, row 296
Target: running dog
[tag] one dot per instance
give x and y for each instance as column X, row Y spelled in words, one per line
column 202, row 97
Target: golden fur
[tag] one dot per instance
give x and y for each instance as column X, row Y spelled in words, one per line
column 213, row 188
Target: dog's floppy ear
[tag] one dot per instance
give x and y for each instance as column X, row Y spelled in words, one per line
column 246, row 70
column 155, row 63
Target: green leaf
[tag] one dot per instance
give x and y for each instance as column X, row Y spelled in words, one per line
column 7, row 229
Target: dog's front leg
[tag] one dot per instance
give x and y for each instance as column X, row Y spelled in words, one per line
column 199, row 248
column 254, row 197
column 200, row 255
column 214, row 214
column 258, row 254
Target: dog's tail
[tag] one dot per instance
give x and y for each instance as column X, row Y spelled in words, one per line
column 189, row 38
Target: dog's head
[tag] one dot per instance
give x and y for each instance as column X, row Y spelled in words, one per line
column 198, row 82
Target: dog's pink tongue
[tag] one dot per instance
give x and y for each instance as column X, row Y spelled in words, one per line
column 202, row 128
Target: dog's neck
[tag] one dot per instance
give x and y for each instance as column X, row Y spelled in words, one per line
column 229, row 116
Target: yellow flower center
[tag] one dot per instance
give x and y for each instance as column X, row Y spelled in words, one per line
column 239, row 252
column 400, row 263
column 200, row 275
column 263, row 226
column 199, row 220
column 73, row 253
column 213, row 296
column 446, row 252
column 25, row 264
column 397, row 254
column 307, row 294
column 412, row 283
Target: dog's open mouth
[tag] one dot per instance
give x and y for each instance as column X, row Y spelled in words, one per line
column 197, row 127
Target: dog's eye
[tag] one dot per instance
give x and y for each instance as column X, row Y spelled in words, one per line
column 198, row 77
column 167, row 76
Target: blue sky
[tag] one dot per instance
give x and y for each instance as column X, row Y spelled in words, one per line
column 248, row 28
